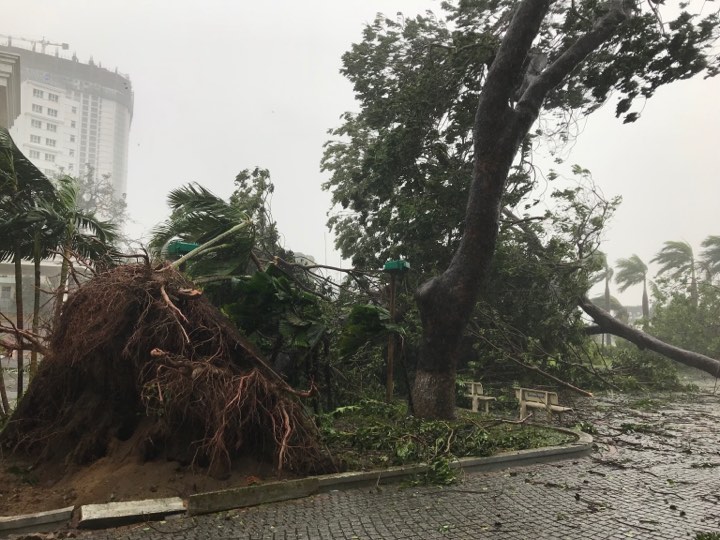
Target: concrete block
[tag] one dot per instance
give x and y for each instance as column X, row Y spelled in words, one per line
column 39, row 521
column 120, row 513
column 216, row 501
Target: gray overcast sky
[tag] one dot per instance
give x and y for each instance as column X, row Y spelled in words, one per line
column 223, row 85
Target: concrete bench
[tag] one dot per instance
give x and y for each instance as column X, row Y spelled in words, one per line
column 475, row 392
column 539, row 399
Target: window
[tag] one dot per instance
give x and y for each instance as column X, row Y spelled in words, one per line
column 72, row 124
column 38, row 93
column 74, row 110
column 53, row 97
column 52, row 127
column 52, row 112
column 72, row 138
column 50, row 142
column 50, row 158
column 71, row 167
column 34, row 154
column 36, row 123
column 6, row 292
column 72, row 153
column 35, row 139
column 48, row 171
column 36, row 108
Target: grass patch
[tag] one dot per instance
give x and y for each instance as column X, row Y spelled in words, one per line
column 374, row 434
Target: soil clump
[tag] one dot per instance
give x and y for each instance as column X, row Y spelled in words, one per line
column 142, row 367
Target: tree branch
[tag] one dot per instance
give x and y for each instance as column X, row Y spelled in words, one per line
column 594, row 330
column 529, row 104
column 610, row 325
column 21, row 336
column 552, row 377
column 514, row 47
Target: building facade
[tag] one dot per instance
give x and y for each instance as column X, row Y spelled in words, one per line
column 9, row 89
column 74, row 117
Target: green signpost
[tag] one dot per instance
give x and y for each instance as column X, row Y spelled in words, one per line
column 394, row 268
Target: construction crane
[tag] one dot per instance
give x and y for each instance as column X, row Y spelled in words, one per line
column 43, row 43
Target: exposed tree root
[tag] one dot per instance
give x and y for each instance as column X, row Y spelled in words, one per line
column 140, row 354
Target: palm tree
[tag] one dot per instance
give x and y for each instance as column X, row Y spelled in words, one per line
column 678, row 260
column 73, row 231
column 40, row 245
column 605, row 273
column 616, row 308
column 199, row 216
column 711, row 256
column 22, row 187
column 633, row 271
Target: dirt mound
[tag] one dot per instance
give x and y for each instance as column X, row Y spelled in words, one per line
column 25, row 489
column 140, row 357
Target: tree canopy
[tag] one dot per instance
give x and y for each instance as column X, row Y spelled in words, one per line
column 448, row 107
column 400, row 168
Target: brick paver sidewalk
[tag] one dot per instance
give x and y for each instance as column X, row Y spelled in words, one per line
column 656, row 474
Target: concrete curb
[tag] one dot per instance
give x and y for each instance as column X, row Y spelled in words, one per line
column 97, row 516
column 115, row 514
column 204, row 503
column 40, row 521
column 216, row 501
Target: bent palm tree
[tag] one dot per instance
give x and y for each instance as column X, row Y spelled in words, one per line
column 74, row 231
column 618, row 311
column 711, row 255
column 605, row 273
column 633, row 271
column 22, row 187
column 223, row 229
column 678, row 260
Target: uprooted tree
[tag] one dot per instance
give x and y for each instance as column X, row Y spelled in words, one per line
column 443, row 102
column 142, row 357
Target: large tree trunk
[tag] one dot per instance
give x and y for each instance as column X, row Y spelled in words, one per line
column 607, row 323
column 446, row 302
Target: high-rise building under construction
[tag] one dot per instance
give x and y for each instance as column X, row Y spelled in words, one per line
column 73, row 115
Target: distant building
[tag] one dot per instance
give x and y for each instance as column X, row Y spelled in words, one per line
column 72, row 115
column 50, row 271
column 305, row 260
column 9, row 88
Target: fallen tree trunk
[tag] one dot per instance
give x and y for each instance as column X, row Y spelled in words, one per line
column 610, row 325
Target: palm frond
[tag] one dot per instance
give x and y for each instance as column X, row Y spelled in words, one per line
column 711, row 253
column 615, row 305
column 198, row 215
column 675, row 258
column 632, row 271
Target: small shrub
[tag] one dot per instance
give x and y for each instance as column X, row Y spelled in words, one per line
column 586, row 427
column 635, row 370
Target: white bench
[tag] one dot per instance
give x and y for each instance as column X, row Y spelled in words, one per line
column 539, row 399
column 475, row 392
